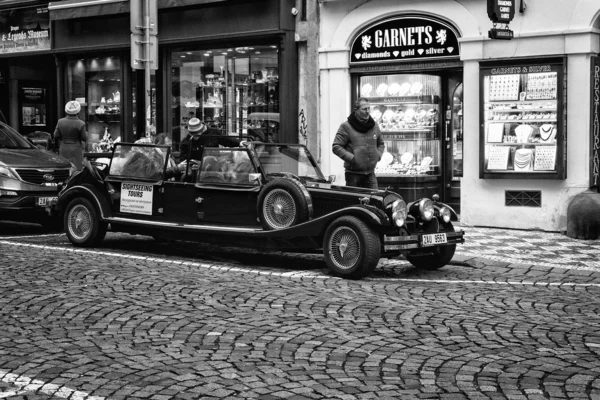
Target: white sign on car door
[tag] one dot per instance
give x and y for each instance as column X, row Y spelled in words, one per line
column 136, row 198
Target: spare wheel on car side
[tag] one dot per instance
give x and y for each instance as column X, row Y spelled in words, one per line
column 283, row 203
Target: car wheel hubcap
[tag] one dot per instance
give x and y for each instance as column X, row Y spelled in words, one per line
column 344, row 247
column 80, row 222
column 279, row 209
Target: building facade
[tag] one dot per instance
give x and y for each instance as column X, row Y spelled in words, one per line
column 503, row 130
column 233, row 64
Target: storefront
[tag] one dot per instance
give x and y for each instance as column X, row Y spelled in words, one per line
column 489, row 127
column 225, row 62
column 27, row 78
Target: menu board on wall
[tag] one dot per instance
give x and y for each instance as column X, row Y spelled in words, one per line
column 24, row 29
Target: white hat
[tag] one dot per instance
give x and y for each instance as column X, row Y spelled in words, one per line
column 195, row 125
column 73, row 107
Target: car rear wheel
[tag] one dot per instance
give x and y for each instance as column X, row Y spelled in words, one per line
column 437, row 260
column 351, row 248
column 82, row 223
column 282, row 203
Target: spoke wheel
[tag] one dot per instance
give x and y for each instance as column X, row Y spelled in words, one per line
column 352, row 249
column 279, row 209
column 282, row 203
column 82, row 223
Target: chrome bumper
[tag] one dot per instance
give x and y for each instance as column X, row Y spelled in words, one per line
column 391, row 243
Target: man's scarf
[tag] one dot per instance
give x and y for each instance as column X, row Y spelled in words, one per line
column 359, row 125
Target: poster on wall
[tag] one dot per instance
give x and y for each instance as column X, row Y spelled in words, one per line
column 33, row 106
column 595, row 125
column 24, row 30
column 405, row 38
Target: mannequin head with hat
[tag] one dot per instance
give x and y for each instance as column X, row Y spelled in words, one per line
column 72, row 107
column 195, row 126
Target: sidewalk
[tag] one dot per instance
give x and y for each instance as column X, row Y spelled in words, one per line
column 529, row 247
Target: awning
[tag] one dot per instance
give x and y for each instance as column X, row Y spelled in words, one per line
column 69, row 9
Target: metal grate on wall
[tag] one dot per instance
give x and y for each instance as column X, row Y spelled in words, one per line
column 520, row 198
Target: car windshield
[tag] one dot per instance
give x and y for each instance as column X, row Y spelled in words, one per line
column 138, row 161
column 294, row 159
column 11, row 139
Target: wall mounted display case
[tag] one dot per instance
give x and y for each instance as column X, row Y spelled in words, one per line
column 523, row 118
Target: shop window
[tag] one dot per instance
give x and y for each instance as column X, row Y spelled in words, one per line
column 96, row 84
column 407, row 109
column 235, row 91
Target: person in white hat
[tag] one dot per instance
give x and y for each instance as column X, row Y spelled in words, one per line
column 71, row 135
column 200, row 136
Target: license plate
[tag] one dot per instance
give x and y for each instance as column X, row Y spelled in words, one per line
column 434, row 239
column 46, row 201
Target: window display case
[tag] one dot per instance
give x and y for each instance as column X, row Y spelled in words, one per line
column 523, row 121
column 96, row 84
column 233, row 90
column 407, row 108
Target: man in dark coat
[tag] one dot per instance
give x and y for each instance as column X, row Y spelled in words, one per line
column 71, row 135
column 200, row 136
column 359, row 143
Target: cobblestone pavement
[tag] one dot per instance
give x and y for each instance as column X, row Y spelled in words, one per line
column 136, row 319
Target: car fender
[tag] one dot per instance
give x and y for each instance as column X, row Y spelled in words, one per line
column 88, row 191
column 372, row 216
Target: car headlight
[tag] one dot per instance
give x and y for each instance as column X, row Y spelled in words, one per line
column 426, row 209
column 5, row 172
column 445, row 214
column 399, row 212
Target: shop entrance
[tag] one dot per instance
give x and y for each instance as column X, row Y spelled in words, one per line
column 420, row 117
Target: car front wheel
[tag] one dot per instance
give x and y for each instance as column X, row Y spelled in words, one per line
column 351, row 248
column 82, row 223
column 437, row 260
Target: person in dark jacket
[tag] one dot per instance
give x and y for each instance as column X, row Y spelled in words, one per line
column 200, row 135
column 71, row 135
column 359, row 143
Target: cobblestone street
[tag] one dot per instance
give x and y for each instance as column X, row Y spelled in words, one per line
column 136, row 319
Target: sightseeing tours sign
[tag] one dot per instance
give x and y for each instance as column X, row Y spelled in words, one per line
column 405, row 38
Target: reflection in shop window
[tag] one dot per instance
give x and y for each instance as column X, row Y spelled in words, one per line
column 235, row 91
column 96, row 84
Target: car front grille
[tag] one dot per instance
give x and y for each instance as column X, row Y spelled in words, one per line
column 42, row 176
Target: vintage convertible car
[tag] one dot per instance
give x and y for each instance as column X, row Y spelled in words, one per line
column 260, row 195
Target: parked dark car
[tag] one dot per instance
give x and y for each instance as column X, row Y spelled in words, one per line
column 266, row 196
column 30, row 179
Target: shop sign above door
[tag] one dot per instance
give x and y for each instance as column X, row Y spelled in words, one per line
column 405, row 38
column 24, row 29
column 501, row 11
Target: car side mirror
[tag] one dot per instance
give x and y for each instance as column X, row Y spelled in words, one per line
column 331, row 179
column 254, row 177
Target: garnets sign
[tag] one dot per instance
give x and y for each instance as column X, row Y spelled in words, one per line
column 501, row 11
column 403, row 39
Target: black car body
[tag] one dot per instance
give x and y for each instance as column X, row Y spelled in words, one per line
column 30, row 179
column 269, row 196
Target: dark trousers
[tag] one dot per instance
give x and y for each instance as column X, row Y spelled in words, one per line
column 368, row 181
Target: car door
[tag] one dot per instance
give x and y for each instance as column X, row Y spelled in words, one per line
column 226, row 193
